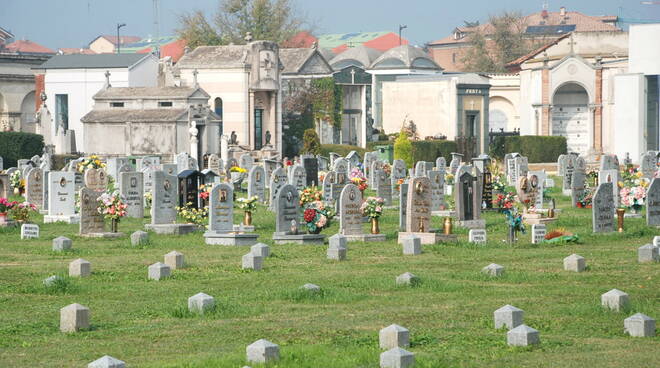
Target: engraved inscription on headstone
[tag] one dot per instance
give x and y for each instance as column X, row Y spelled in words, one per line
column 603, row 209
column 91, row 221
column 350, row 214
column 131, row 189
column 221, row 208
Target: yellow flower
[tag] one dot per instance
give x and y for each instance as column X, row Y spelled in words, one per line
column 639, row 174
column 620, row 184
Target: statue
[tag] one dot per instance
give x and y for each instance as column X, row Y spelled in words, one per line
column 268, row 136
column 233, row 138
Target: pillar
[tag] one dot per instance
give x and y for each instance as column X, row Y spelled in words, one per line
column 545, row 101
column 598, row 113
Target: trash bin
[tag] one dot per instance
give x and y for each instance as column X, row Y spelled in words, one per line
column 385, row 153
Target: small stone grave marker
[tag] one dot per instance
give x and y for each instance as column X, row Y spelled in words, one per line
column 29, row 231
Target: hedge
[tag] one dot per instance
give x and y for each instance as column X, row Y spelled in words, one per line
column 424, row 150
column 535, row 147
column 17, row 145
column 341, row 149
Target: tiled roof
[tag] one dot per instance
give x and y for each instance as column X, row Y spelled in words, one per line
column 300, row 39
column 231, row 56
column 133, row 115
column 28, row 47
column 582, row 22
column 79, row 61
column 124, row 39
column 533, row 53
column 294, row 59
column 145, row 92
column 73, row 50
column 386, row 42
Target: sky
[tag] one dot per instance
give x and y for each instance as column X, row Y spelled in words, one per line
column 75, row 23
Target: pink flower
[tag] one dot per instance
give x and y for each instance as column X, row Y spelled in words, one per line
column 322, row 221
column 379, row 209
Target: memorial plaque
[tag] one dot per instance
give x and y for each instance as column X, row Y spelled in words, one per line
column 477, row 236
column 538, row 233
column 29, row 231
column 350, row 214
column 132, row 191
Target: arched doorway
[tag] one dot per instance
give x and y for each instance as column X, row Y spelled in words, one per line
column 501, row 114
column 28, row 114
column 570, row 117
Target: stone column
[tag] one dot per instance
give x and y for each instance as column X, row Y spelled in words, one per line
column 545, row 101
column 598, row 113
column 250, row 126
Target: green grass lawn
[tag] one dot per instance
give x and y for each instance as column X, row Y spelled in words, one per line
column 449, row 315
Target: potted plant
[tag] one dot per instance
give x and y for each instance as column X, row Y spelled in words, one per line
column 317, row 216
column 21, row 212
column 5, row 207
column 585, row 200
column 372, row 207
column 309, row 195
column 112, row 207
column 248, row 205
column 633, row 198
column 17, row 182
column 357, row 177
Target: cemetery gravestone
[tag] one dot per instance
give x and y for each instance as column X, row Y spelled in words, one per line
column 221, row 219
column 214, row 164
column 328, row 180
column 246, row 161
column 278, row 179
column 403, row 200
column 298, row 177
column 568, row 174
column 653, row 203
column 648, row 165
column 149, row 162
column 96, row 179
column 418, row 205
column 351, row 218
column 165, row 196
column 182, row 162
column 477, row 236
column 61, row 198
column 287, row 207
column 269, row 167
column 398, row 171
column 561, row 164
column 383, row 186
column 467, row 196
column 538, row 233
column 609, row 162
column 456, row 159
column 189, row 182
column 603, row 209
column 311, row 166
column 113, row 164
column 257, row 183
column 441, row 164
column 578, row 181
column 611, row 176
column 437, row 189
column 34, row 184
column 131, row 189
column 29, row 231
column 91, row 221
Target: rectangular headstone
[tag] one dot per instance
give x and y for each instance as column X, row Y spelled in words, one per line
column 61, row 193
column 311, row 166
column 403, row 200
column 538, row 233
column 257, row 183
column 91, row 221
column 477, row 236
column 603, row 209
column 34, row 184
column 29, row 231
column 418, row 213
column 328, row 180
column 438, row 189
column 221, row 208
column 287, row 208
column 164, row 198
column 278, row 179
column 653, row 203
column 383, row 186
column 350, row 214
column 132, row 190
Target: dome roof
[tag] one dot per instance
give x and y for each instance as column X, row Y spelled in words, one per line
column 361, row 56
column 405, row 57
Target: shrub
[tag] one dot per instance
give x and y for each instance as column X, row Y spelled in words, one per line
column 403, row 149
column 17, row 145
column 311, row 142
column 341, row 149
column 536, row 148
column 431, row 150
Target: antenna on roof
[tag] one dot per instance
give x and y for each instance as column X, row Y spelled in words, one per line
column 156, row 49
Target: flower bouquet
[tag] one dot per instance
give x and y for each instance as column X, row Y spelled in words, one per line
column 397, row 186
column 93, row 162
column 5, row 206
column 193, row 215
column 237, row 169
column 16, row 182
column 21, row 212
column 317, row 216
column 504, row 202
column 148, row 197
column 309, row 195
column 357, row 177
column 633, row 197
column 205, row 191
column 372, row 207
column 387, row 168
column 248, row 205
column 449, row 179
column 112, row 207
column 586, row 199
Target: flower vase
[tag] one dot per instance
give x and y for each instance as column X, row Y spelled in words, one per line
column 17, row 191
column 447, row 226
column 620, row 212
column 114, row 224
column 374, row 226
column 247, row 219
column 3, row 218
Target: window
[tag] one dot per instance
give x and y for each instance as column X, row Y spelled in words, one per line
column 164, row 103
column 258, row 127
column 116, row 104
column 217, row 107
column 62, row 112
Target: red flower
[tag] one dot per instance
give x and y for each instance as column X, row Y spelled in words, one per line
column 204, row 195
column 309, row 214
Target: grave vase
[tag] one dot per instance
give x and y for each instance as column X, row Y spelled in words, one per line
column 620, row 212
column 447, row 226
column 3, row 218
column 374, row 226
column 114, row 224
column 247, row 218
